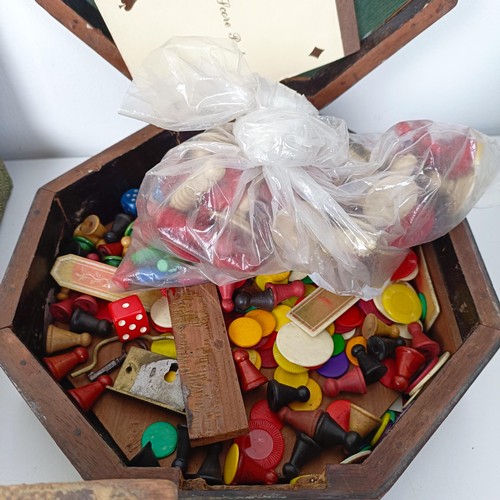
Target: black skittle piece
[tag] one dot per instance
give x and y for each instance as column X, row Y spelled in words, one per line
column 262, row 300
column 372, row 369
column 183, row 448
column 304, row 450
column 85, row 322
column 118, row 227
column 210, row 469
column 383, row 347
column 279, row 395
column 145, row 457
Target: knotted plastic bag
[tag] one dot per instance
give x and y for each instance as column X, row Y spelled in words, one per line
column 272, row 185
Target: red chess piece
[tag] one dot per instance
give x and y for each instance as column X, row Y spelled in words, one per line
column 249, row 376
column 408, row 362
column 62, row 311
column 87, row 395
column 285, row 291
column 226, row 293
column 422, row 343
column 352, row 381
column 61, row 364
column 239, row 468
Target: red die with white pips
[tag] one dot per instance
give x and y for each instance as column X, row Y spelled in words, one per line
column 129, row 317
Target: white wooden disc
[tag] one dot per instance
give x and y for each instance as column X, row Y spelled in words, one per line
column 299, row 347
column 160, row 313
column 442, row 360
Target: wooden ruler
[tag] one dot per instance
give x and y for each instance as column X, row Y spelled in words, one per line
column 214, row 405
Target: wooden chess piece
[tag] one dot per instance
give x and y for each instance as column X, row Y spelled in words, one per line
column 382, row 347
column 422, row 343
column 373, row 326
column 210, row 470
column 84, row 322
column 261, row 300
column 408, row 362
column 285, row 291
column 183, row 448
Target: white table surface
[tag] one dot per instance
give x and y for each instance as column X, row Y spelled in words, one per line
column 460, row 461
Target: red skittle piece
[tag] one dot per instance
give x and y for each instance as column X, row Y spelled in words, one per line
column 87, row 395
column 422, row 343
column 226, row 293
column 61, row 364
column 239, row 468
column 248, row 375
column 282, row 292
column 62, row 311
column 408, row 362
column 352, row 381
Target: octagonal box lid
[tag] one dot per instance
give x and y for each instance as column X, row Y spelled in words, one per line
column 384, row 26
column 468, row 327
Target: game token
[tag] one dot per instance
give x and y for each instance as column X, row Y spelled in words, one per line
column 265, row 319
column 399, row 302
column 280, row 315
column 163, row 439
column 261, row 411
column 350, row 344
column 267, row 358
column 338, row 344
column 264, row 443
column 349, row 335
column 335, row 367
column 291, row 379
column 245, row 332
column 285, row 364
column 314, row 401
column 408, row 269
column 160, row 315
column 368, row 306
column 254, row 357
column 164, row 347
column 435, row 368
column 299, row 347
column 386, row 418
column 357, row 457
column 352, row 318
column 340, row 411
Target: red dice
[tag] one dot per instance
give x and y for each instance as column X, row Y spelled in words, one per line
column 129, row 317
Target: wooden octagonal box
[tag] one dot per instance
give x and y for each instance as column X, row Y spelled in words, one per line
column 102, row 444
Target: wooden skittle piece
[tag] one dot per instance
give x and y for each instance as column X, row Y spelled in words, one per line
column 362, row 421
column 372, row 369
column 381, row 348
column 183, row 448
column 282, row 292
column 305, row 449
column 352, row 381
column 373, row 326
column 87, row 395
column 62, row 364
column 210, row 470
column 58, row 339
column 279, row 395
column 83, row 322
column 408, row 362
column 422, row 343
column 248, row 375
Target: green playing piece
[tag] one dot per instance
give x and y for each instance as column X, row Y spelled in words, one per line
column 163, row 439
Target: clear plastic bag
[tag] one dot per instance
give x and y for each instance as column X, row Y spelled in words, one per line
column 274, row 186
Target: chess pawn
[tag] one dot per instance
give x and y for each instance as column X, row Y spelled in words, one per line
column 285, row 291
column 61, row 364
column 303, row 421
column 408, row 362
column 422, row 343
column 304, row 450
column 381, row 348
column 352, row 381
column 210, row 470
column 372, row 369
column 279, row 395
column 183, row 448
column 373, row 326
column 226, row 293
column 261, row 300
column 239, row 468
column 84, row 322
column 248, row 375
column 87, row 395
column 58, row 339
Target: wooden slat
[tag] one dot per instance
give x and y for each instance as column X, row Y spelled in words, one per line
column 214, row 404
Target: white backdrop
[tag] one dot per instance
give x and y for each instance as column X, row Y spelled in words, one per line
column 58, row 98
